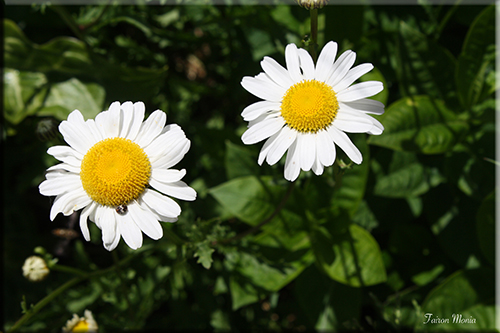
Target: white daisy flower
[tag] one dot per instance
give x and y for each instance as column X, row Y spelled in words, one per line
column 81, row 324
column 307, row 109
column 110, row 169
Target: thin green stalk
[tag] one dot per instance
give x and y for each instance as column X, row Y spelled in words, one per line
column 69, row 21
column 47, row 299
column 313, row 43
column 172, row 236
column 67, row 269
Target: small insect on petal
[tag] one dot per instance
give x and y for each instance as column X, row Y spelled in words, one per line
column 122, row 209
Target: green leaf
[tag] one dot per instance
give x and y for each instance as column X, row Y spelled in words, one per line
column 407, row 177
column 485, row 226
column 426, row 67
column 242, row 292
column 467, row 293
column 69, row 95
column 23, row 94
column 350, row 190
column 350, row 255
column 477, row 58
column 239, row 161
column 324, row 301
column 204, row 254
column 420, row 124
column 248, row 197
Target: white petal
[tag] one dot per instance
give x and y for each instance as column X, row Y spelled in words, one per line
column 262, row 130
column 126, row 115
column 343, row 141
column 366, row 106
column 179, row 189
column 360, row 91
column 151, row 128
column 266, row 147
column 168, row 148
column 162, row 204
column 107, row 222
column 172, row 156
column 108, row 122
column 66, row 154
column 131, row 233
column 76, row 133
column 146, row 220
column 325, row 61
column 306, row 146
column 94, row 130
column 168, row 176
column 317, row 167
column 263, row 88
column 293, row 62
column 292, row 166
column 69, row 202
column 276, row 72
column 325, row 148
column 137, row 119
column 353, row 123
column 66, row 167
column 284, row 140
column 377, row 128
column 65, row 182
column 341, row 67
column 353, row 74
column 83, row 220
column 307, row 64
column 254, row 110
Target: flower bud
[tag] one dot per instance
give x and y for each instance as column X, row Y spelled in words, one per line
column 35, row 269
column 312, row 4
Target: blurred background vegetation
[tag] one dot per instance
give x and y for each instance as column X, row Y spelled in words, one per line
column 409, row 231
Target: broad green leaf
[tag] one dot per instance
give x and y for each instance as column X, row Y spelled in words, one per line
column 23, row 93
column 270, row 273
column 242, row 292
column 477, row 58
column 407, row 177
column 239, row 161
column 420, row 124
column 350, row 189
column 204, row 254
column 350, row 256
column 468, row 293
column 248, row 197
column 485, row 226
column 426, row 68
column 69, row 95
column 329, row 305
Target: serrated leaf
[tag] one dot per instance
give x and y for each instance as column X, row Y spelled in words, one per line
column 419, row 124
column 204, row 254
column 476, row 57
column 350, row 256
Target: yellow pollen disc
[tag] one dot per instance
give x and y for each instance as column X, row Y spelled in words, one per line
column 115, row 171
column 309, row 106
column 82, row 326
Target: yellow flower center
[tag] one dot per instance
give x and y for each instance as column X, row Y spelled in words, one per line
column 309, row 106
column 82, row 326
column 115, row 171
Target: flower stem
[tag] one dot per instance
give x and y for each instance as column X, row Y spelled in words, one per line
column 314, row 33
column 67, row 269
column 47, row 299
column 264, row 222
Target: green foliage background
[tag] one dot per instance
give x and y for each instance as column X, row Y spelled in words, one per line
column 372, row 246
